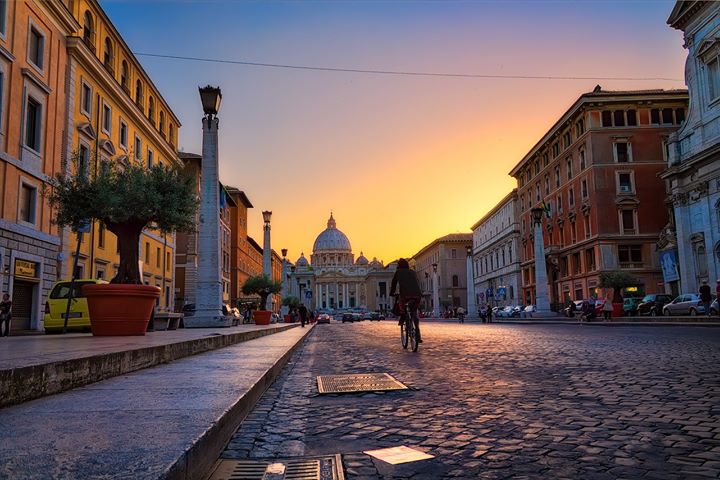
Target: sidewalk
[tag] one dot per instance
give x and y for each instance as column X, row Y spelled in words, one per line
column 170, row 421
column 34, row 366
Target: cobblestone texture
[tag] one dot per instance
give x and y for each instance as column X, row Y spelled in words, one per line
column 502, row 401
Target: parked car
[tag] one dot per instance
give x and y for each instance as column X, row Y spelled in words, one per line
column 508, row 312
column 368, row 316
column 630, row 306
column 347, row 317
column 685, row 304
column 714, row 308
column 323, row 318
column 528, row 311
column 653, row 303
column 357, row 317
column 56, row 306
column 573, row 313
column 377, row 316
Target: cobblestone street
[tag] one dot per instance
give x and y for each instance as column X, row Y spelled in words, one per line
column 503, row 401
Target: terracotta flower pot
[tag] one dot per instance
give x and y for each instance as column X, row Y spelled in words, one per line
column 262, row 317
column 118, row 309
column 287, row 318
column 618, row 310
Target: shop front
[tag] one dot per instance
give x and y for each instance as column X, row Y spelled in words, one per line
column 25, row 293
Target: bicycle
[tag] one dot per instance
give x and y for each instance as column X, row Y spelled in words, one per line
column 408, row 332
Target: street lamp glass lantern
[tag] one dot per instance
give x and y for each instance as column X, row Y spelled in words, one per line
column 210, row 98
column 434, row 265
column 266, row 216
column 284, row 252
column 469, row 250
column 537, row 214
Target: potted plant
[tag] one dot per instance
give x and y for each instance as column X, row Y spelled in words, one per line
column 263, row 286
column 617, row 280
column 291, row 302
column 128, row 198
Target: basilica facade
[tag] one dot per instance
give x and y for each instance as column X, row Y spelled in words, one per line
column 334, row 280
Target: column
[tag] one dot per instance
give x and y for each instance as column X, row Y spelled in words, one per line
column 436, row 295
column 542, row 300
column 267, row 255
column 471, row 306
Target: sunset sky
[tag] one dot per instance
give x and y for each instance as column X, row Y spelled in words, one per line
column 400, row 160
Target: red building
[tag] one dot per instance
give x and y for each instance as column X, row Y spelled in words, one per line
column 597, row 171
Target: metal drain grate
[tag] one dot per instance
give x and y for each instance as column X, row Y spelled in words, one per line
column 364, row 382
column 319, row 468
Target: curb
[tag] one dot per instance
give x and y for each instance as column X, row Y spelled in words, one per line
column 18, row 385
column 200, row 457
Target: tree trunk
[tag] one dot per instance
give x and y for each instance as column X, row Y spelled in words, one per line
column 128, row 237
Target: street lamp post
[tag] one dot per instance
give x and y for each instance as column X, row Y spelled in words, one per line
column 436, row 294
column 285, row 284
column 471, row 306
column 209, row 299
column 267, row 253
column 542, row 301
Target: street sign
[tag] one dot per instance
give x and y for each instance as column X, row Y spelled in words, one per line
column 489, row 292
column 84, row 227
column 308, row 294
column 501, row 291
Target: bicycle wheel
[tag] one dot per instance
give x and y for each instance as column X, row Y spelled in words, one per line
column 404, row 334
column 412, row 334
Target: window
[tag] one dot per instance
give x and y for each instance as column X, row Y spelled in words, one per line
column 455, row 281
column 124, row 76
column 453, row 253
column 625, row 183
column 607, row 118
column 679, row 116
column 138, row 148
column 147, row 252
column 28, row 201
column 571, row 197
column 88, row 30
column 584, row 189
column 713, row 69
column 3, row 17
column 576, row 263
column 108, row 54
column 622, row 152
column 107, row 119
column 557, row 177
column 583, row 163
column 157, row 257
column 123, row 134
column 151, row 110
column 537, row 167
column 537, row 192
column 655, row 116
column 586, row 225
column 566, row 139
column 559, row 204
column 149, row 158
column 590, row 259
column 139, row 94
column 100, row 274
column 631, row 118
column 33, row 124
column 101, row 235
column 547, row 184
column 545, row 159
column 667, row 116
column 171, row 134
column 556, row 150
column 580, row 127
column 629, row 255
column 161, row 125
column 86, row 99
column 83, row 160
column 522, row 203
column 619, row 118
column 569, row 168
column 627, row 221
column 564, row 267
column 167, row 260
column 573, row 233
column 36, row 48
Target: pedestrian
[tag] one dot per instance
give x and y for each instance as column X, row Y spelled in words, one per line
column 303, row 314
column 607, row 309
column 5, row 313
column 705, row 296
column 461, row 314
column 489, row 313
column 717, row 293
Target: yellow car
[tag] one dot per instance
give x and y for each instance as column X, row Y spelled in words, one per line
column 56, row 306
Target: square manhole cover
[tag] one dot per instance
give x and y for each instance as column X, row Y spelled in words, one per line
column 317, row 468
column 363, row 382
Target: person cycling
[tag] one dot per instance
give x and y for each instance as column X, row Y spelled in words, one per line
column 405, row 281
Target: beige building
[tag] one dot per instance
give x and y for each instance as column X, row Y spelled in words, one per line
column 449, row 254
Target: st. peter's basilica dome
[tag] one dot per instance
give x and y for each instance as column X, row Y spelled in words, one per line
column 331, row 239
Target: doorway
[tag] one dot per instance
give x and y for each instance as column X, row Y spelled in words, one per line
column 22, row 305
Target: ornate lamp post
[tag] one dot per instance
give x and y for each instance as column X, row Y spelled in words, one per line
column 285, row 283
column 542, row 301
column 267, row 253
column 436, row 294
column 209, row 300
column 471, row 306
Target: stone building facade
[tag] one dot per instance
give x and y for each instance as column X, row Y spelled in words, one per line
column 596, row 171
column 450, row 255
column 691, row 240
column 33, row 64
column 496, row 254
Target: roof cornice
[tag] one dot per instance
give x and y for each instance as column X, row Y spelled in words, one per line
column 510, row 196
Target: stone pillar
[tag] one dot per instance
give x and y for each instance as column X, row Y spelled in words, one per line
column 209, row 292
column 471, row 306
column 542, row 300
column 436, row 295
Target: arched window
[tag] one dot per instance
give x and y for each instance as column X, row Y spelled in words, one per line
column 455, row 281
column 108, row 55
column 88, row 29
column 124, row 75
column 171, row 134
column 161, row 127
column 151, row 110
column 138, row 93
